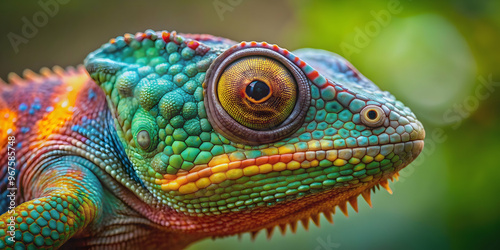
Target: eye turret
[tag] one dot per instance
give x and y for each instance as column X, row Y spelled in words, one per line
column 372, row 116
column 256, row 95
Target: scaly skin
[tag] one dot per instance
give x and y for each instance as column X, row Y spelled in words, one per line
column 172, row 138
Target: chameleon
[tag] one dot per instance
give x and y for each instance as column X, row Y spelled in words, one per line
column 161, row 139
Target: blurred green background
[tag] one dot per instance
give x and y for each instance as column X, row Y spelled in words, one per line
column 440, row 58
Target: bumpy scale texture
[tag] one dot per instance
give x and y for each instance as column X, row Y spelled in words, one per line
column 125, row 153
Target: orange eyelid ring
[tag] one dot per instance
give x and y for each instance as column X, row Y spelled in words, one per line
column 372, row 116
column 226, row 125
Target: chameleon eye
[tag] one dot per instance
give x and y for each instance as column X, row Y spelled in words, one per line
column 255, row 95
column 145, row 131
column 258, row 92
column 143, row 139
column 372, row 116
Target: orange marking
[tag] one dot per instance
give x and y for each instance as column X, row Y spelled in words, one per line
column 169, row 176
column 52, row 122
column 299, row 156
column 313, row 75
column 274, row 159
column 219, row 170
column 205, row 172
column 248, row 162
column 7, row 126
column 234, row 164
column 286, row 158
column 261, row 160
column 165, row 36
column 182, row 172
column 219, row 159
column 197, row 168
column 192, row 177
column 182, row 180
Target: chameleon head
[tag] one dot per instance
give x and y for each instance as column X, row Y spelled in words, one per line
column 241, row 137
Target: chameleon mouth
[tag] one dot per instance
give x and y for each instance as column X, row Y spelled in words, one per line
column 288, row 214
column 326, row 203
column 221, row 213
column 312, row 213
column 195, row 194
column 369, row 161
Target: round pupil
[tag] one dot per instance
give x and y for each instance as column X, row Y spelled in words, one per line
column 257, row 90
column 372, row 114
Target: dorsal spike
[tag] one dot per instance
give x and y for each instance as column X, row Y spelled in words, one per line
column 253, row 234
column 269, row 232
column 14, row 78
column 385, row 185
column 30, row 75
column 305, row 223
column 58, row 70
column 354, row 203
column 343, row 208
column 367, row 196
column 45, row 72
column 283, row 228
column 70, row 69
column 315, row 219
column 293, row 226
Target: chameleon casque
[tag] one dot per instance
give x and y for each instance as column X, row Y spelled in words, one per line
column 163, row 139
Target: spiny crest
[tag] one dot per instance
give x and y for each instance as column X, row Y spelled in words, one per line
column 154, row 36
column 328, row 214
column 29, row 76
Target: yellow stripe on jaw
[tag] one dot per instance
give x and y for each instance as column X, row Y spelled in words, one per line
column 219, row 169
